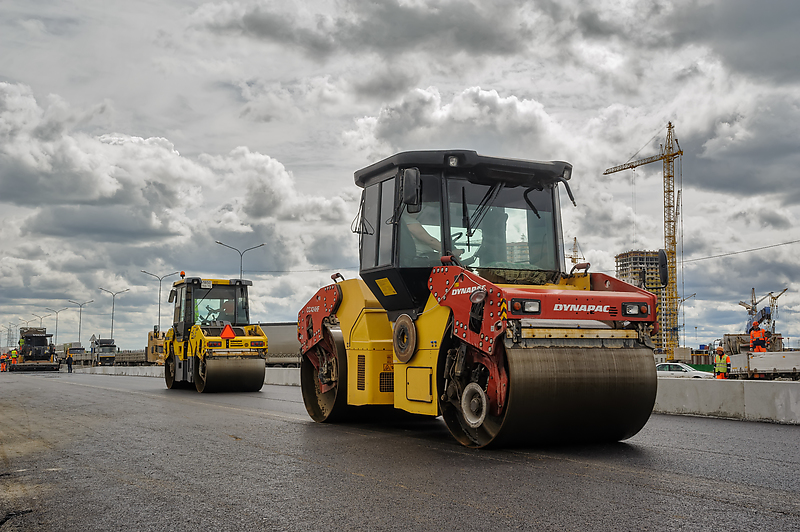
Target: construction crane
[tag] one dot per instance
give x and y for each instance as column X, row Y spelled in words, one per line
column 577, row 254
column 670, row 151
column 773, row 307
column 752, row 307
column 767, row 314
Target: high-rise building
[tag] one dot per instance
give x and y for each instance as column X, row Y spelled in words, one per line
column 629, row 267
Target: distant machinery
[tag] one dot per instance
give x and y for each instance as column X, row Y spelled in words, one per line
column 577, row 253
column 767, row 314
column 670, row 151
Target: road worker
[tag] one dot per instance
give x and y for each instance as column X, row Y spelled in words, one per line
column 758, row 339
column 14, row 357
column 722, row 364
column 3, row 359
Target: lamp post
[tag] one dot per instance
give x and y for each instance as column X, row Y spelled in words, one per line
column 241, row 253
column 56, row 313
column 80, row 315
column 159, row 292
column 15, row 331
column 41, row 318
column 681, row 310
column 113, row 296
column 15, row 340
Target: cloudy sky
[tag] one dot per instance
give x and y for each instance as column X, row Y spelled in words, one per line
column 135, row 134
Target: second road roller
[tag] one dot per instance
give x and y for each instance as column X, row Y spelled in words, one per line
column 211, row 345
column 464, row 309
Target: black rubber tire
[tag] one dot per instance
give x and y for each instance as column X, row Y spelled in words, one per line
column 169, row 373
column 199, row 380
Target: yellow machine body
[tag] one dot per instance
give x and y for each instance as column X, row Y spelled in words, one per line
column 375, row 375
column 213, row 354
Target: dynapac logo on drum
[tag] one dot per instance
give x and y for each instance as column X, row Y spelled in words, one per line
column 581, row 308
column 461, row 291
column 312, row 309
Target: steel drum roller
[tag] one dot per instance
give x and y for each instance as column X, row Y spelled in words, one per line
column 567, row 395
column 232, row 375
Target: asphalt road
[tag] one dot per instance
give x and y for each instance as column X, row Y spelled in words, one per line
column 95, row 452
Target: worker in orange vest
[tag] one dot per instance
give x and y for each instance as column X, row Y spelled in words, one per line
column 3, row 358
column 758, row 339
column 722, row 364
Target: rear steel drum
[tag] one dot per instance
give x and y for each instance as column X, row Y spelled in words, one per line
column 229, row 374
column 565, row 395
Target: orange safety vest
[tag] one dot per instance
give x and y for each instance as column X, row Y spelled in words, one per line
column 758, row 340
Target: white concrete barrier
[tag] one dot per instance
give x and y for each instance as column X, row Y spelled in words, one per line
column 279, row 376
column 129, row 371
column 776, row 401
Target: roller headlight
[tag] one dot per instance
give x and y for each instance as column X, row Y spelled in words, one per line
column 635, row 309
column 526, row 306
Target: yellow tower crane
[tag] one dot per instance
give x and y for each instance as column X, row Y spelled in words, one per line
column 577, row 254
column 670, row 151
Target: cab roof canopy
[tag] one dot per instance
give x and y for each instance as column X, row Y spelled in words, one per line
column 231, row 282
column 477, row 168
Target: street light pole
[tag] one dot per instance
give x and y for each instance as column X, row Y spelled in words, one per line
column 80, row 315
column 159, row 292
column 41, row 318
column 241, row 253
column 56, row 313
column 113, row 297
column 16, row 326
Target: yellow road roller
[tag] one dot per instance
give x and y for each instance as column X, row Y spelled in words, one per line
column 211, row 345
column 464, row 309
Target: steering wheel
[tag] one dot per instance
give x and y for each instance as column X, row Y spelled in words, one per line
column 211, row 316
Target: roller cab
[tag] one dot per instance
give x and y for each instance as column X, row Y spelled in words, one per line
column 212, row 346
column 465, row 309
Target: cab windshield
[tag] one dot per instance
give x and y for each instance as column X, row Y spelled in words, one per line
column 503, row 230
column 221, row 303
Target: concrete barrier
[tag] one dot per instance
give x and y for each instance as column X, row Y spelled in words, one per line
column 278, row 376
column 775, row 401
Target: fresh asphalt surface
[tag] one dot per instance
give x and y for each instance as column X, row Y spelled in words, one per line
column 95, row 452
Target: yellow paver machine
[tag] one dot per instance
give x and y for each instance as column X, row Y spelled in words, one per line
column 465, row 309
column 212, row 346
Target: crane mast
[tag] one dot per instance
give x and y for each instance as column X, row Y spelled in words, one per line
column 670, row 151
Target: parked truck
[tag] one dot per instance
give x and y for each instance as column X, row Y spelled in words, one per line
column 284, row 346
column 104, row 351
column 151, row 355
column 772, row 364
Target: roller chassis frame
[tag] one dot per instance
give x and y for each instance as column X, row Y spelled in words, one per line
column 478, row 336
column 191, row 368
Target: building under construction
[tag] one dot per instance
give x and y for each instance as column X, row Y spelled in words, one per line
column 630, row 266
